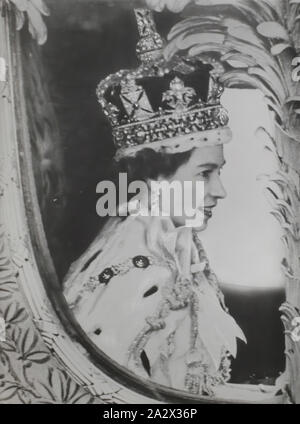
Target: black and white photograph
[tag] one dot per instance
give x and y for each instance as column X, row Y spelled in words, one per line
column 149, row 202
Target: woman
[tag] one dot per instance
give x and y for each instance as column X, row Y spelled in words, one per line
column 159, row 311
column 144, row 291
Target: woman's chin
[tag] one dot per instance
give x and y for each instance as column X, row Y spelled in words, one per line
column 203, row 226
column 196, row 224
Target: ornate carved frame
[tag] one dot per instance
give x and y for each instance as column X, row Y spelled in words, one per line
column 46, row 357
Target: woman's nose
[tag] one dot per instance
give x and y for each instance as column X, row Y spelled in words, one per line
column 217, row 189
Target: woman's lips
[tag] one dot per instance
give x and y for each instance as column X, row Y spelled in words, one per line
column 208, row 211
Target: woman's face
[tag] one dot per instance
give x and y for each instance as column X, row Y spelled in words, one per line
column 204, row 165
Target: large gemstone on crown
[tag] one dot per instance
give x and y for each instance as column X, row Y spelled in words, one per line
column 141, row 261
column 105, row 276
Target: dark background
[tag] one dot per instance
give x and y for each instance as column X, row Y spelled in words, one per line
column 87, row 41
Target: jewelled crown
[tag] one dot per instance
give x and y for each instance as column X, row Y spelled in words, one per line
column 171, row 105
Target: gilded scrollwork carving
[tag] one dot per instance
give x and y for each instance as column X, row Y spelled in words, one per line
column 28, row 373
column 291, row 321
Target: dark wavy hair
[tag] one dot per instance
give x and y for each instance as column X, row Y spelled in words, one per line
column 149, row 164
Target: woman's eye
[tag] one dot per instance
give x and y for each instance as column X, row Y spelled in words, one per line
column 205, row 174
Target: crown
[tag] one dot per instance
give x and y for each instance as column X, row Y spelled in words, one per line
column 166, row 105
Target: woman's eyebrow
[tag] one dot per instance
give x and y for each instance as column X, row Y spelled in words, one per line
column 211, row 165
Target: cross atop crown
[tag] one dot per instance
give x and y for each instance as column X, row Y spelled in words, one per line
column 150, row 45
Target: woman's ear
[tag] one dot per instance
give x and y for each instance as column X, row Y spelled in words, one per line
column 151, row 182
